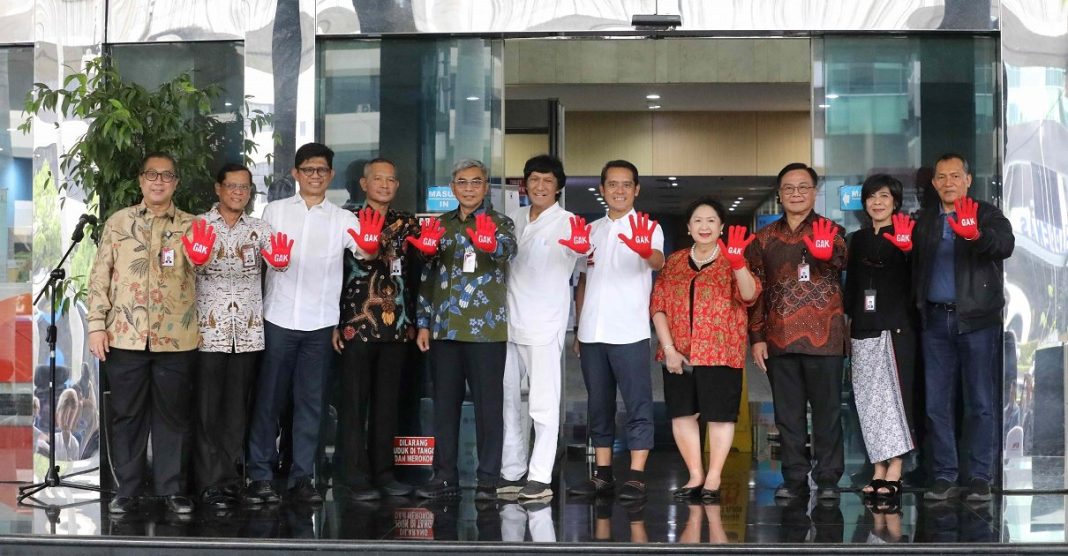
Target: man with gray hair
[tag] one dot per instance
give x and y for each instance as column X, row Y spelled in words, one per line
column 462, row 321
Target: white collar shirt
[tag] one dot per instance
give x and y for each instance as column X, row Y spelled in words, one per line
column 539, row 277
column 308, row 295
column 615, row 307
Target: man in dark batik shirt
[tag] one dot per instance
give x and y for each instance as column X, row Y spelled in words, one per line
column 377, row 324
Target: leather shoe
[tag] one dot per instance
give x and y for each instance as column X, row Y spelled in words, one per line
column 593, row 486
column 176, row 503
column 216, row 498
column 396, row 488
column 365, row 494
column 122, row 505
column 438, row 489
column 260, row 492
column 304, row 491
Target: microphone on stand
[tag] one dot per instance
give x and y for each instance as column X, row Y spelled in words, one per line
column 79, row 229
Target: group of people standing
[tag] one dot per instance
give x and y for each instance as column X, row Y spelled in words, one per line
column 217, row 331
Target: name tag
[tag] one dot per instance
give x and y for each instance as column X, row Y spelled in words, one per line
column 869, row 301
column 166, row 257
column 395, row 267
column 470, row 262
column 803, row 273
column 248, row 256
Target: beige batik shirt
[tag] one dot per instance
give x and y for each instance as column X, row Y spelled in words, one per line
column 141, row 288
column 229, row 288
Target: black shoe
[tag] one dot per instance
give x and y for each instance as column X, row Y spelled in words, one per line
column 303, row 491
column 122, row 505
column 504, row 486
column 791, row 491
column 942, row 489
column 396, row 488
column 827, row 493
column 216, row 498
column 709, row 496
column 364, row 494
column 260, row 492
column 686, row 493
column 978, row 491
column 534, row 490
column 438, row 489
column 178, row 504
column 485, row 491
column 632, row 490
column 593, row 486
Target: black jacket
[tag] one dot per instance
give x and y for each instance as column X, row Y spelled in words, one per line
column 978, row 264
column 874, row 263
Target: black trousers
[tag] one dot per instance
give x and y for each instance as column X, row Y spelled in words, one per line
column 796, row 382
column 151, row 392
column 370, row 376
column 480, row 365
column 223, row 382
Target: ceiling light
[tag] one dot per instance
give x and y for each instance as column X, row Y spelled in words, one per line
column 741, row 198
column 832, row 96
column 654, row 107
column 672, row 178
column 228, row 104
column 825, row 106
column 731, row 209
column 673, row 184
column 473, row 98
column 591, row 189
column 652, row 96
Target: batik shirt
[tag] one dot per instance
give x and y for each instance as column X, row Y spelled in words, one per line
column 140, row 300
column 467, row 306
column 378, row 296
column 229, row 288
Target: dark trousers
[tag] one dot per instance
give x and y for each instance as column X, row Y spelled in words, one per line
column 796, row 382
column 293, row 368
column 953, row 360
column 606, row 367
column 481, row 366
column 367, row 415
column 151, row 392
column 223, row 381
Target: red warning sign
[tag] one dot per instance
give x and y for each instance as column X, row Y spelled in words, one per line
column 413, row 523
column 413, row 450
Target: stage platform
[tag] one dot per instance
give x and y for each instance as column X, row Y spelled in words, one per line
column 749, row 520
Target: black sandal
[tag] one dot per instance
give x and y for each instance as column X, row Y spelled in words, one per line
column 894, row 487
column 875, row 485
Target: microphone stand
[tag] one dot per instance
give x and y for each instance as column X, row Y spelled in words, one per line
column 52, row 478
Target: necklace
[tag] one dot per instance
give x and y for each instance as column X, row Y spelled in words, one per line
column 700, row 262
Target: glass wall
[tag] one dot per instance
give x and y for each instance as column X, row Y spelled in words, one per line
column 423, row 103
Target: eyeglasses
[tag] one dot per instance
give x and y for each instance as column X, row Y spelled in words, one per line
column 477, row 182
column 152, row 175
column 309, row 171
column 240, row 187
column 799, row 189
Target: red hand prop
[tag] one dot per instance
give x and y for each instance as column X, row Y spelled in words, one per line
column 821, row 245
column 199, row 248
column 641, row 235
column 580, row 236
column 967, row 226
column 371, row 222
column 484, row 236
column 429, row 236
column 734, row 251
column 281, row 247
column 902, row 236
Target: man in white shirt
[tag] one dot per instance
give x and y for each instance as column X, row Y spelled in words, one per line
column 539, row 301
column 300, row 309
column 612, row 300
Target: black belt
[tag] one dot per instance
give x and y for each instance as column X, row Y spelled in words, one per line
column 948, row 307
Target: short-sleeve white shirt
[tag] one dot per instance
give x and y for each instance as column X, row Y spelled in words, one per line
column 308, row 295
column 539, row 277
column 615, row 308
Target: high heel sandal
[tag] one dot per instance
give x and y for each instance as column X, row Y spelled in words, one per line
column 894, row 487
column 875, row 485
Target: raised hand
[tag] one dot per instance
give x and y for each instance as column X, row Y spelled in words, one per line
column 641, row 235
column 371, row 222
column 484, row 236
column 902, row 236
column 198, row 249
column 734, row 251
column 967, row 223
column 821, row 244
column 580, row 236
column 429, row 236
column 281, row 247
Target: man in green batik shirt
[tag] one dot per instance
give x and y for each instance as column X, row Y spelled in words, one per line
column 462, row 321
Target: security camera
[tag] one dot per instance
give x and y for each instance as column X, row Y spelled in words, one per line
column 656, row 22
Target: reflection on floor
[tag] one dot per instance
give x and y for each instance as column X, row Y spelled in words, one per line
column 748, row 514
